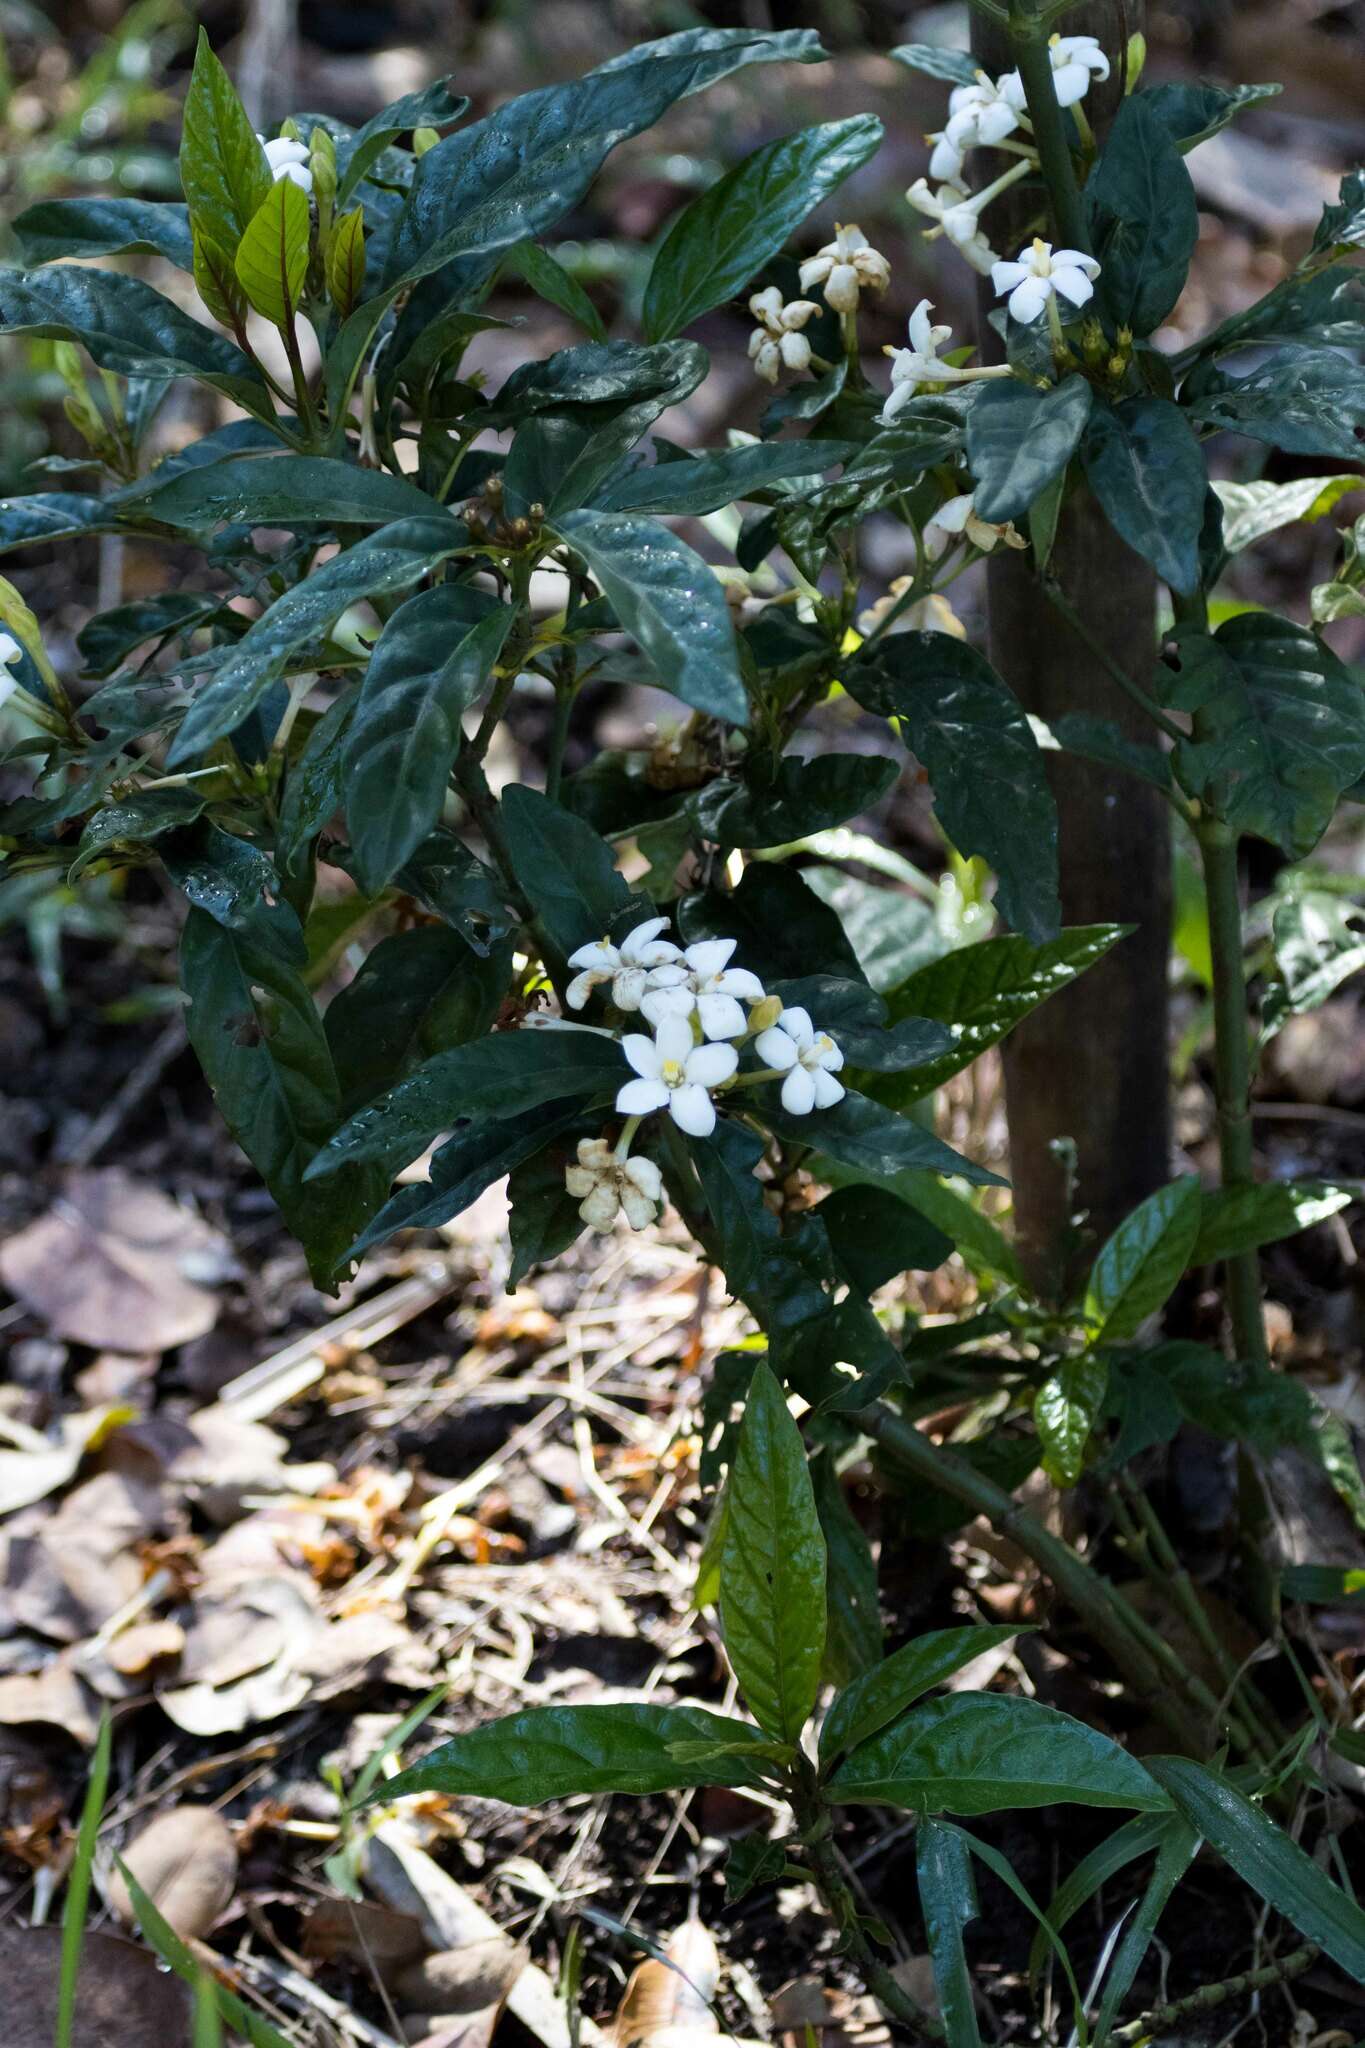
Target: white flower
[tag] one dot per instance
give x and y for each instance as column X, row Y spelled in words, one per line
column 607, row 1184
column 956, row 516
column 979, row 115
column 708, row 985
column 288, row 159
column 1041, row 272
column 627, row 967
column 847, row 265
column 10, row 652
column 777, row 343
column 958, row 215
column 675, row 1074
column 809, row 1060
column 1074, row 60
column 919, row 364
column 931, row 614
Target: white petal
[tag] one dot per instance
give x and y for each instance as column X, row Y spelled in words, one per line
column 946, row 160
column 10, row 650
column 798, row 1093
column 646, row 1177
column 768, row 361
column 737, row 981
column 644, row 1054
column 693, row 1111
column 815, row 269
column 672, row 974
column 775, row 1049
column 641, row 936
column 924, row 200
column 673, row 1040
column 995, row 121
column 721, row 1016
column 658, row 1003
column 1071, row 83
column 1075, row 259
column 960, row 224
column 900, row 397
column 953, row 514
column 922, row 329
column 598, row 955
column 795, row 351
column 579, row 989
column 709, row 1065
column 767, row 306
column 638, row 1098
column 708, row 956
column 828, row 1091
column 841, row 290
column 1072, row 284
column 797, row 312
column 628, row 986
column 599, row 1211
column 798, row 1027
column 1028, row 299
column 579, row 1182
column 297, row 174
column 639, row 1210
column 1011, row 90
column 1005, row 276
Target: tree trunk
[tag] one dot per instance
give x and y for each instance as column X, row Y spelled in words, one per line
column 1091, row 1064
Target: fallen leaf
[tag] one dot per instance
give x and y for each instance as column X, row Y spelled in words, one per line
column 122, row 1993
column 66, row 1573
column 463, row 1980
column 134, row 1650
column 55, row 1697
column 359, row 1930
column 112, row 1264
column 41, row 1468
column 665, row 1996
column 186, row 1862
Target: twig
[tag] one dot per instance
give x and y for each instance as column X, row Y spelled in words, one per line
column 1210, row 1996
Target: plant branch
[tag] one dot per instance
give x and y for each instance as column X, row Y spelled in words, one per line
column 836, row 1894
column 1209, row 1996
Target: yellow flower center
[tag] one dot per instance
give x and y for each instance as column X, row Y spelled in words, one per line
column 672, row 1073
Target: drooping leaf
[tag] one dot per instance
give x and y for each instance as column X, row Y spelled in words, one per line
column 719, row 243
column 853, row 1632
column 286, row 490
column 877, row 1141
column 1065, row 1410
column 990, row 787
column 110, row 637
column 1143, row 219
column 52, row 515
column 1241, row 1219
column 127, row 327
column 483, row 1150
column 1279, row 727
column 568, row 873
column 430, row 663
column 390, row 560
column 1308, row 401
column 235, row 883
column 1019, row 439
column 706, row 483
column 882, row 1694
column 671, row 604
column 1264, row 1857
column 1191, row 113
column 1140, row 1265
column 875, row 1236
column 57, row 228
column 947, row 1897
column 135, row 820
column 550, row 281
column 987, row 1753
column 417, row 993
column 223, row 167
column 543, row 1219
column 772, row 1573
column 434, row 106
column 1145, row 467
column 954, row 67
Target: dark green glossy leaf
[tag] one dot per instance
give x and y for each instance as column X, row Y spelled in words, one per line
column 1280, row 728
column 719, row 243
column 503, row 1075
column 312, row 787
column 800, row 796
column 853, row 1631
column 482, row 1151
column 223, row 168
column 1264, row 1857
column 1143, row 219
column 955, row 67
column 52, row 515
column 286, row 490
column 235, row 884
column 987, row 1753
column 1176, row 1851
column 127, row 327
column 875, row 1236
column 134, row 820
column 877, row 1698
column 260, row 1042
column 1190, row 113
column 1343, row 224
column 431, row 107
column 990, row 786
column 454, row 885
column 751, row 1861
column 1145, row 467
column 543, row 1218
column 705, row 483
column 417, row 993
column 550, row 281
column 430, row 663
column 388, row 561
column 875, row 1140
column 1307, row 401
column 747, row 1232
column 780, row 924
column 110, row 637
column 1065, row 1410
column 892, row 932
column 1139, row 1266
column 57, row 228
column 1100, row 739
column 671, row 604
column 1236, row 1220
column 568, row 873
column 772, row 1573
column 557, row 1752
column 1019, row 439
column 947, row 1897
column 595, row 374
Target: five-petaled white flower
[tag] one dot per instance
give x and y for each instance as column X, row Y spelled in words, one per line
column 846, row 266
column 1075, row 60
column 708, row 985
column 777, row 342
column 603, row 1184
column 10, row 652
column 1041, row 273
column 978, row 114
column 958, row 215
column 956, row 516
column 809, row 1060
column 288, row 159
column 675, row 1074
column 628, row 967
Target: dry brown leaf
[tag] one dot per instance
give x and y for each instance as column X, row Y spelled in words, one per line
column 55, row 1697
column 113, row 1264
column 664, row 1997
column 808, row 2006
column 241, row 1658
column 134, row 1650
column 463, row 1980
column 451, row 2030
column 357, row 1929
column 66, row 1573
column 122, row 1993
column 186, row 1862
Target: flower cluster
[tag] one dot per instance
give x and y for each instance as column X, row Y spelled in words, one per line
column 919, row 365
column 777, row 343
column 844, row 268
column 992, row 113
column 703, row 1013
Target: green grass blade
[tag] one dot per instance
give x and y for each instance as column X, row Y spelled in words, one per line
column 78, row 1884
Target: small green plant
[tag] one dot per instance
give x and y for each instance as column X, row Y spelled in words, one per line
column 378, row 540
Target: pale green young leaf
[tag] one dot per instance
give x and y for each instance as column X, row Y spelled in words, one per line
column 272, row 257
column 346, row 262
column 1242, row 1219
column 1065, row 1410
column 1139, row 1266
column 223, row 166
column 216, row 280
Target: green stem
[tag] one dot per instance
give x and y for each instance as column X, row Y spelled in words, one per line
column 1160, row 2018
column 1028, row 33
column 836, row 1894
column 1232, row 1073
column 565, row 692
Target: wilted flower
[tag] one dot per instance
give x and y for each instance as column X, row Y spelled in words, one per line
column 1075, row 60
column 777, row 343
column 931, row 614
column 1040, row 273
column 627, row 966
column 956, row 517
column 288, row 159
column 708, row 985
column 847, row 265
column 675, row 1073
column 604, row 1185
column 808, row 1059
